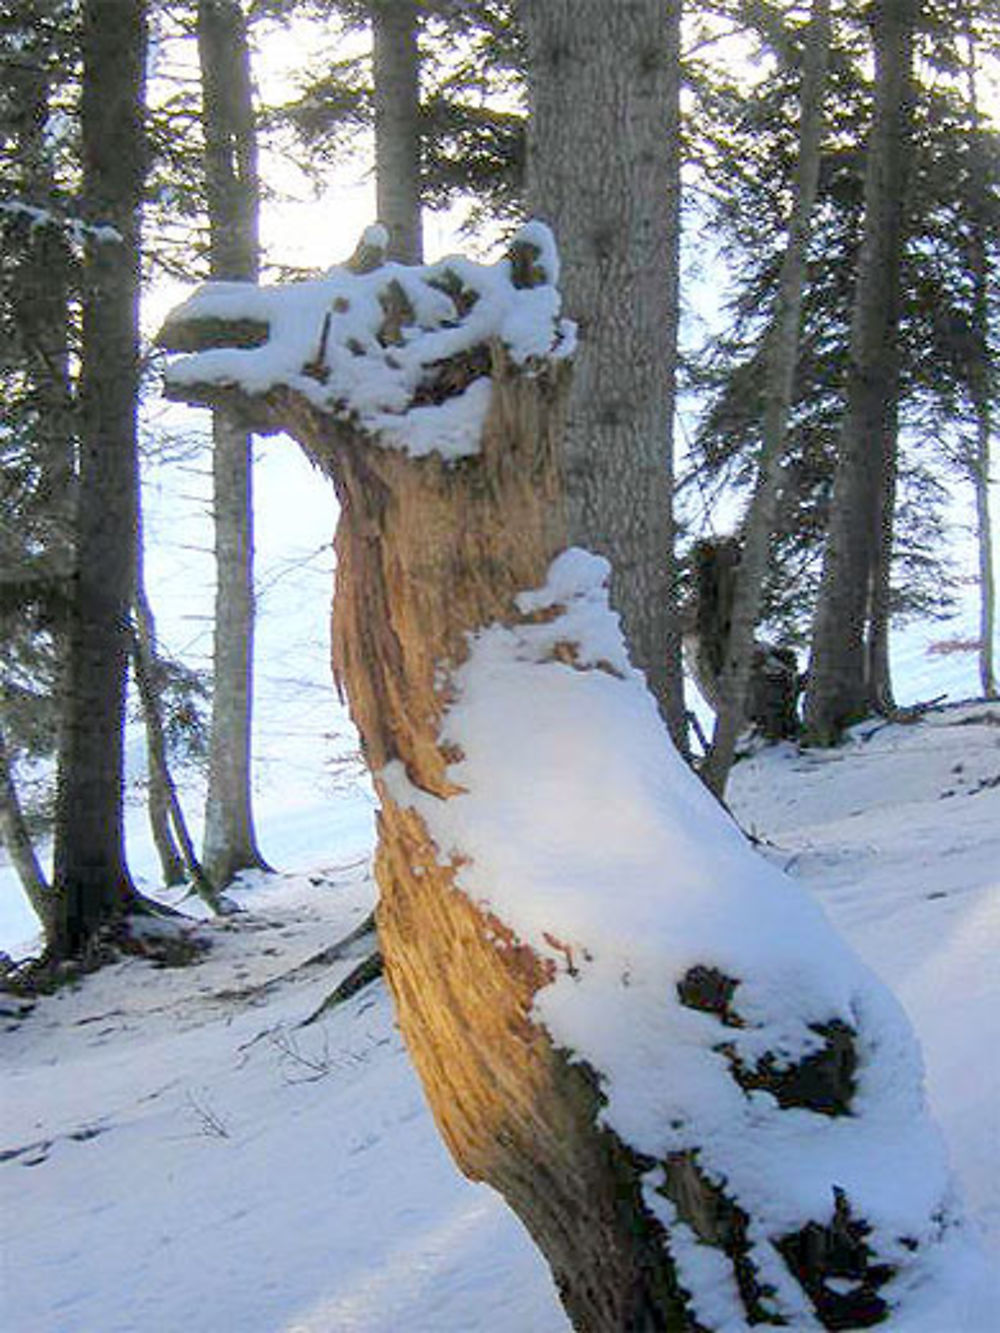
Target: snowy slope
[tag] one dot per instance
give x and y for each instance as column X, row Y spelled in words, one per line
column 177, row 1153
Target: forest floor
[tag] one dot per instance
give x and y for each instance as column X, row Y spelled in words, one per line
column 177, row 1152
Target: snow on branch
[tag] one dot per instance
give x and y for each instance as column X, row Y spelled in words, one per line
column 75, row 228
column 400, row 352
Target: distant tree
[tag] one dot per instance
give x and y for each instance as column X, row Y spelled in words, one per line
column 742, row 152
column 470, row 125
column 603, row 171
column 232, row 192
column 983, row 391
column 396, row 81
column 848, row 667
column 781, row 359
column 178, row 858
column 17, row 840
column 91, row 878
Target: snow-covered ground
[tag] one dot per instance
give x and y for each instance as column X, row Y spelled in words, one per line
column 178, row 1153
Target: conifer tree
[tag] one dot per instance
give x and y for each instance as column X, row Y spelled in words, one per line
column 233, row 198
column 845, row 680
column 781, row 360
column 91, row 878
column 604, row 173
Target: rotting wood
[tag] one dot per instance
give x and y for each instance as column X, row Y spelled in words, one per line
column 429, row 552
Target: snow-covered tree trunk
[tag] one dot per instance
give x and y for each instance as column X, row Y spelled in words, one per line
column 839, row 690
column 706, row 1112
column 396, row 72
column 232, row 190
column 782, row 358
column 603, row 171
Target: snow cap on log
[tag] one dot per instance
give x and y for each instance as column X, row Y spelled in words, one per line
column 401, row 352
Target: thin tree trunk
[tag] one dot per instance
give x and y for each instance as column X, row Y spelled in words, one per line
column 987, row 567
column 782, row 357
column 232, row 188
column 92, row 882
column 143, row 652
column 603, row 172
column 158, row 805
column 396, row 60
column 878, row 675
column 20, row 848
column 981, row 402
column 144, row 666
column 838, row 687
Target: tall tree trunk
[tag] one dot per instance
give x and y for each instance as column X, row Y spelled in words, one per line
column 584, row 1077
column 782, row 358
column 396, row 59
column 838, row 690
column 603, row 171
column 980, row 378
column 17, row 840
column 92, row 882
column 233, row 196
column 987, row 567
column 878, row 674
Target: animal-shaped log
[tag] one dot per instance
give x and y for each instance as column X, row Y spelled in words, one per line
column 707, row 1113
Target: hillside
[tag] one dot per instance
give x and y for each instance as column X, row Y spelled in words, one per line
column 178, row 1152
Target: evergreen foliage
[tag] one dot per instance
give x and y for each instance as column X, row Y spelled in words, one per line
column 744, row 153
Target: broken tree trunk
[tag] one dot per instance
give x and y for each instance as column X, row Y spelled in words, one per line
column 434, row 399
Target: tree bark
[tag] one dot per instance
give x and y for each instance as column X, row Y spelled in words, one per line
column 603, row 171
column 878, row 673
column 143, row 653
column 232, row 188
column 838, row 689
column 169, row 825
column 782, row 357
column 20, row 848
column 980, row 382
column 396, row 60
column 92, row 882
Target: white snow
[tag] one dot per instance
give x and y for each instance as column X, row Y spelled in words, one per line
column 228, row 1190
column 323, row 340
column 75, row 228
column 581, row 828
column 176, row 1152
